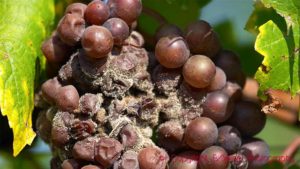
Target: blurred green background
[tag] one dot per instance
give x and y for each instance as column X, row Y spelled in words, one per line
column 228, row 18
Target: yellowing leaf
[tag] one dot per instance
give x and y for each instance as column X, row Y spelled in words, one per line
column 280, row 66
column 280, row 48
column 23, row 26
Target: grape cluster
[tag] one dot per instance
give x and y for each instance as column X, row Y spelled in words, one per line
column 113, row 104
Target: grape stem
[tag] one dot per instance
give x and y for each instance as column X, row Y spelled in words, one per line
column 291, row 150
column 150, row 12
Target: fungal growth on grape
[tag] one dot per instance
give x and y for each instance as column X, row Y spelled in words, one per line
column 114, row 103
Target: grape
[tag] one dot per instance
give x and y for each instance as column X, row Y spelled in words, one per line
column 185, row 160
column 213, row 157
column 119, row 30
column 108, row 150
column 128, row 136
column 76, row 8
column 127, row 10
column 172, row 51
column 55, row 50
column 50, row 89
column 43, row 126
column 70, row 29
column 129, row 160
column 97, row 41
column 151, row 157
column 199, row 71
column 116, row 104
column 85, row 149
column 170, row 135
column 92, row 167
column 229, row 138
column 248, row 118
column 238, row 161
column 70, row 164
column 233, row 90
column 229, row 62
column 89, row 104
column 218, row 82
column 60, row 133
column 256, row 151
column 218, row 106
column 167, row 30
column 96, row 13
column 202, row 39
column 201, row 133
column 82, row 128
column 67, row 98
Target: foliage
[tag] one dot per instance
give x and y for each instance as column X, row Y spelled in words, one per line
column 278, row 45
column 23, row 27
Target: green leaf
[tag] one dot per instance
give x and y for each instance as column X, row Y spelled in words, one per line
column 23, row 26
column 280, row 67
column 178, row 12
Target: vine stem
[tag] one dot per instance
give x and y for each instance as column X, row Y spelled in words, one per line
column 291, row 150
column 158, row 17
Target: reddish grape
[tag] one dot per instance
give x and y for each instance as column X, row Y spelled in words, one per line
column 218, row 82
column 185, row 160
column 233, row 90
column 201, row 133
column 202, row 39
column 96, row 13
column 167, row 30
column 127, row 10
column 238, row 161
column 108, row 150
column 67, row 98
column 229, row 62
column 213, row 157
column 84, row 149
column 55, row 50
column 119, row 30
column 170, row 135
column 152, row 157
column 128, row 136
column 229, row 138
column 172, row 51
column 76, row 8
column 70, row 164
column 97, row 41
column 218, row 106
column 248, row 118
column 50, row 89
column 256, row 151
column 70, row 29
column 129, row 160
column 199, row 71
column 92, row 167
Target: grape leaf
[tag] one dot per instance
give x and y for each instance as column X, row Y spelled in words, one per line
column 23, row 26
column 261, row 15
column 280, row 67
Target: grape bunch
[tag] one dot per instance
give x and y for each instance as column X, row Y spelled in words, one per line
column 111, row 103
